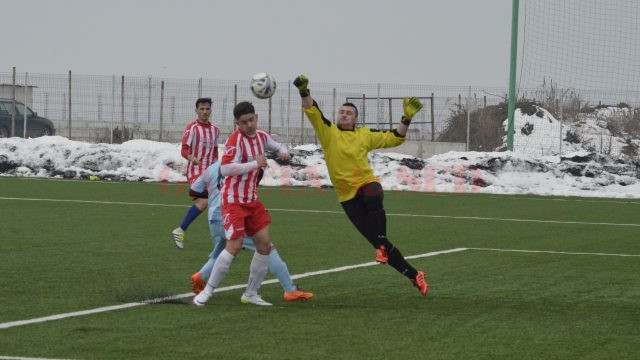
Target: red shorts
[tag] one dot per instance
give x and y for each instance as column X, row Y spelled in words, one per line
column 244, row 219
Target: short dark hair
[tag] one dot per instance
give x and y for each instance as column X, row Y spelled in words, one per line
column 243, row 108
column 203, row 100
column 351, row 105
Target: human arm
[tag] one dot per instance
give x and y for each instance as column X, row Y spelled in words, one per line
column 302, row 83
column 410, row 106
column 275, row 146
column 231, row 165
column 185, row 151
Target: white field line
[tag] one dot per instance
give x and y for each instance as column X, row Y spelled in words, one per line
column 340, row 212
column 554, row 252
column 11, row 324
column 25, row 358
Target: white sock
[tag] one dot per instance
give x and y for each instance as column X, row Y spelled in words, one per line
column 220, row 269
column 257, row 272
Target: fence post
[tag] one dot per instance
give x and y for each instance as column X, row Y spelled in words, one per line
column 113, row 104
column 288, row 110
column 122, row 138
column 13, row 104
column 149, row 102
column 99, row 107
column 24, row 123
column 200, row 88
column 334, row 104
column 161, row 110
column 364, row 110
column 271, row 97
column 561, row 106
column 235, row 102
column 378, row 105
column 468, row 116
column 390, row 117
column 433, row 118
column 69, row 132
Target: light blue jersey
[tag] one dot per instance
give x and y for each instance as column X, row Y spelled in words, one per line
column 210, row 180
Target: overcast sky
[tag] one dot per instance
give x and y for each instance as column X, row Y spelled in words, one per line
column 453, row 42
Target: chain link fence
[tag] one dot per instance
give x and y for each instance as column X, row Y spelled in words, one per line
column 112, row 109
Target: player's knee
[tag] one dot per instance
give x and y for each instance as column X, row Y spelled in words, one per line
column 374, row 203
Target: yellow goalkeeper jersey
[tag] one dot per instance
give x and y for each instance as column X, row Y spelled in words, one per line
column 345, row 152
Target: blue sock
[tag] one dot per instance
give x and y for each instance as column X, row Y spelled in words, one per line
column 192, row 214
column 278, row 268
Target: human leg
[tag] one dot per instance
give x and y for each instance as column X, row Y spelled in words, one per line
column 196, row 209
column 217, row 238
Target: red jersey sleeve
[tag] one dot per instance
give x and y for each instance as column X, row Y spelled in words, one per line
column 187, row 139
column 232, row 151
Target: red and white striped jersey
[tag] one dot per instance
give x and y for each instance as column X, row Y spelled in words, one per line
column 201, row 141
column 240, row 149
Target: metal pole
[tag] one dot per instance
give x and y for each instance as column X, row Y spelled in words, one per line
column 123, row 138
column 235, row 101
column 161, row 109
column 270, row 115
column 69, row 133
column 378, row 115
column 433, row 126
column 364, row 110
column 149, row 102
column 113, row 102
column 301, row 125
column 288, row 109
column 390, row 116
column 468, row 116
column 24, row 127
column 13, row 104
column 561, row 127
column 512, row 73
column 200, row 88
column 334, row 105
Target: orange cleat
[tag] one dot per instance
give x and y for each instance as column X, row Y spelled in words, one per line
column 381, row 255
column 421, row 283
column 197, row 283
column 297, row 295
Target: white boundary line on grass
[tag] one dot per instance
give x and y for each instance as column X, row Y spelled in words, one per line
column 340, row 212
column 25, row 358
column 11, row 324
column 553, row 252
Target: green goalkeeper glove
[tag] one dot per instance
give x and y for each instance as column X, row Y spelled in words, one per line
column 301, row 82
column 411, row 106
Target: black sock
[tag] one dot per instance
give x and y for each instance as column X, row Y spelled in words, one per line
column 398, row 262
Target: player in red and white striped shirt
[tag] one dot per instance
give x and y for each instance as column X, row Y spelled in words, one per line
column 200, row 148
column 242, row 212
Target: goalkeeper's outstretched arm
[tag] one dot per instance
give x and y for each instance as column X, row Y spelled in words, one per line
column 302, row 83
column 411, row 106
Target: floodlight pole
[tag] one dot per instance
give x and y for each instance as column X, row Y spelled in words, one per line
column 512, row 72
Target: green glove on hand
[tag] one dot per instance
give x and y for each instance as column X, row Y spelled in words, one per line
column 301, row 82
column 411, row 106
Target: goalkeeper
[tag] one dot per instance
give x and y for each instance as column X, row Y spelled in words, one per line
column 359, row 191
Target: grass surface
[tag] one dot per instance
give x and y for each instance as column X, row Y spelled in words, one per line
column 111, row 245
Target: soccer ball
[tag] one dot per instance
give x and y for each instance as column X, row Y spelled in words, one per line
column 263, row 85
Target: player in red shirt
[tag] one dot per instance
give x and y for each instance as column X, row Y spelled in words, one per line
column 242, row 212
column 200, row 148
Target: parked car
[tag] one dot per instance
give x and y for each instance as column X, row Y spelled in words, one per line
column 36, row 125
